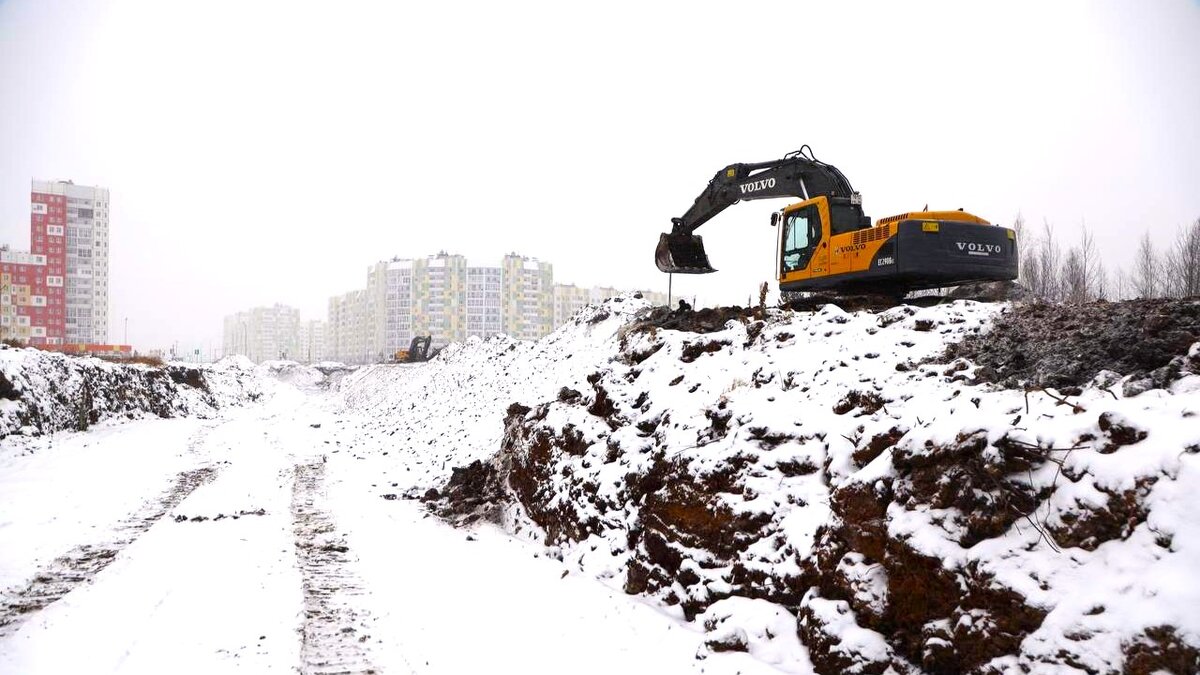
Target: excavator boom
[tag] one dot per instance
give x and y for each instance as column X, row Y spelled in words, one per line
column 798, row 175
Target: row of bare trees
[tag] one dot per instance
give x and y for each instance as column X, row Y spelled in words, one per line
column 1078, row 274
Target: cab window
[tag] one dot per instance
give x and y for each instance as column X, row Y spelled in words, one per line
column 801, row 233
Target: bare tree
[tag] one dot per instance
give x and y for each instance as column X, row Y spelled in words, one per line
column 1019, row 228
column 1121, row 285
column 1146, row 268
column 1030, row 269
column 1182, row 273
column 1090, row 266
column 1048, row 257
column 1074, row 278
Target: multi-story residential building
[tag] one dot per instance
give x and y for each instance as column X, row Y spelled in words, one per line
column 484, row 301
column 31, row 299
column 311, row 342
column 264, row 333
column 349, row 333
column 390, row 295
column 527, row 294
column 85, row 219
column 33, row 290
column 569, row 299
column 439, row 298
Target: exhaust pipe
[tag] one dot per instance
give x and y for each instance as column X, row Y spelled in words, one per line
column 682, row 254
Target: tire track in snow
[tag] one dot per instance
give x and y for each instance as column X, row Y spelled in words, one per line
column 335, row 630
column 82, row 563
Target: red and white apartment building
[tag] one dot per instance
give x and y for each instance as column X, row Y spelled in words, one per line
column 56, row 294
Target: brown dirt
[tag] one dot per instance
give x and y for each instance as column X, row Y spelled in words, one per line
column 191, row 377
column 828, row 655
column 1119, row 432
column 705, row 320
column 1089, row 527
column 983, row 488
column 1159, row 650
column 926, row 602
column 866, row 402
column 7, row 390
column 875, row 447
column 694, row 350
column 474, row 492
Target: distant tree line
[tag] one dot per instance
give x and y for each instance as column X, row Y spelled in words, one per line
column 1077, row 274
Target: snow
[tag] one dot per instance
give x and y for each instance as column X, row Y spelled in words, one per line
column 213, row 596
column 328, row 461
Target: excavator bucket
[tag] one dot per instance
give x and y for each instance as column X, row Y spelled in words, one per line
column 682, row 254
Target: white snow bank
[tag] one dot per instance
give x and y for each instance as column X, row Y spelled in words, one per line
column 43, row 392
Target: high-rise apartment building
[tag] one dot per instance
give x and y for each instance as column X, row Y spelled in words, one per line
column 569, row 299
column 484, row 301
column 311, row 342
column 350, row 330
column 439, row 297
column 85, row 219
column 390, row 296
column 58, row 292
column 264, row 333
column 527, row 294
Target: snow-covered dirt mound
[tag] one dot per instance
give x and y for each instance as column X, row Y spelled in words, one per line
column 839, row 474
column 45, row 392
column 450, row 410
column 295, row 374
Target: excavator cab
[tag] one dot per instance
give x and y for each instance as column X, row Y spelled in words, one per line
column 682, row 254
column 799, row 239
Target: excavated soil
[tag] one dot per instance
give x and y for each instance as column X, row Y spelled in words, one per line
column 56, row 392
column 1045, row 345
column 474, row 492
column 678, row 528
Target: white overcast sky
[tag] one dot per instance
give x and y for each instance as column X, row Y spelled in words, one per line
column 262, row 152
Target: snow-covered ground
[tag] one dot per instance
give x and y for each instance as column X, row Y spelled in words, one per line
column 281, row 536
column 258, row 541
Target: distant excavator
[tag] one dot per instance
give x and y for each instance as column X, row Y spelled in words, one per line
column 418, row 350
column 826, row 243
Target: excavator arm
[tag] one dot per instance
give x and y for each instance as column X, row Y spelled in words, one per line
column 798, row 175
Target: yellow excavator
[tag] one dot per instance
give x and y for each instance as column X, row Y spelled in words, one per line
column 417, row 352
column 826, row 243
